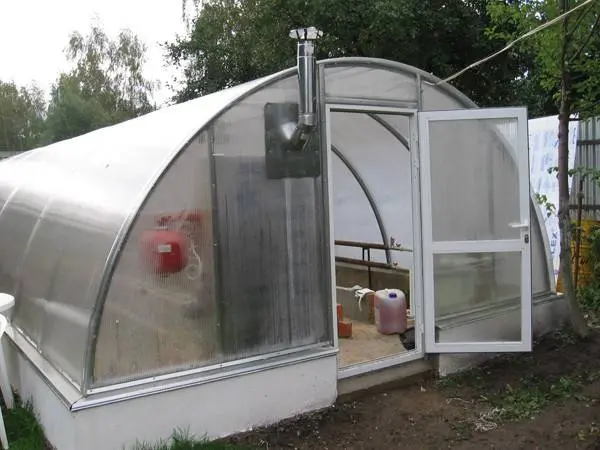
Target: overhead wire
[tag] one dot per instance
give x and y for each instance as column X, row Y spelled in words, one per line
column 512, row 43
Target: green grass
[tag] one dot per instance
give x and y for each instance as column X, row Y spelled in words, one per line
column 181, row 440
column 22, row 428
column 532, row 395
column 25, row 433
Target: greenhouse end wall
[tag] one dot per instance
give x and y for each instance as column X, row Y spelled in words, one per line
column 259, row 280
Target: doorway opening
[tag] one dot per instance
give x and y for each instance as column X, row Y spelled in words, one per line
column 375, row 224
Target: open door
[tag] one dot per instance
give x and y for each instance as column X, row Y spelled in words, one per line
column 476, row 239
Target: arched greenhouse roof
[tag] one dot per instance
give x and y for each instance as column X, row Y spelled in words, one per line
column 67, row 209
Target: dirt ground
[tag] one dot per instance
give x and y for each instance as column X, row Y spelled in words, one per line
column 548, row 399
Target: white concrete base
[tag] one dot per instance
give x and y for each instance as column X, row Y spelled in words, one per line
column 548, row 315
column 214, row 409
column 390, row 376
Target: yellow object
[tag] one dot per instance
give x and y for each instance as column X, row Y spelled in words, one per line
column 585, row 269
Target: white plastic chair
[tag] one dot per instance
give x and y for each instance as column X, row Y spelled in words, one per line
column 6, row 302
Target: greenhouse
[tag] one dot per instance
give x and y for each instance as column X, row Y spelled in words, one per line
column 238, row 259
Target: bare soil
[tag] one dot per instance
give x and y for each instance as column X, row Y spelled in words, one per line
column 548, row 399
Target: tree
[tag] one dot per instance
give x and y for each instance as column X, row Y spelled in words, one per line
column 105, row 85
column 22, row 112
column 233, row 41
column 567, row 62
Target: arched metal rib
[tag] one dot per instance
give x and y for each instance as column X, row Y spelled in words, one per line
column 384, row 235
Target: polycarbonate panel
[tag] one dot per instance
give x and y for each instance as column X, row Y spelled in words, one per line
column 353, row 217
column 471, row 281
column 159, row 315
column 384, row 163
column 540, row 276
column 474, row 177
column 18, row 215
column 435, row 99
column 370, row 82
column 272, row 268
column 76, row 195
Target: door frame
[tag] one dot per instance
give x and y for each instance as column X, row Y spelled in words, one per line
column 521, row 244
column 416, row 280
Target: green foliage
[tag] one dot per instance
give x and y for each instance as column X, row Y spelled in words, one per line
column 22, row 428
column 589, row 295
column 565, row 337
column 104, row 87
column 233, row 41
column 182, row 440
column 22, row 111
column 532, row 395
column 581, row 46
column 542, row 199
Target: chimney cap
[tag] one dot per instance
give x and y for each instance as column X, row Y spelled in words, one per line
column 304, row 34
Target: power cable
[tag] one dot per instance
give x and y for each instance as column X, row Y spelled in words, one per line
column 511, row 44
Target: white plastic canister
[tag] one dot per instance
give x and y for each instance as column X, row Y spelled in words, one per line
column 390, row 311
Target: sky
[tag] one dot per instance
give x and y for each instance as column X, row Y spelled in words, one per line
column 34, row 34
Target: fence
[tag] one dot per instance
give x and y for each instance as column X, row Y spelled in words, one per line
column 587, row 155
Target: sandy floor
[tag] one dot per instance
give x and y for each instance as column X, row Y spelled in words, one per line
column 367, row 344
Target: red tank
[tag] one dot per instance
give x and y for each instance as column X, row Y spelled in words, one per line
column 163, row 251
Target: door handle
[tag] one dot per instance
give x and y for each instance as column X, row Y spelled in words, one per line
column 519, row 225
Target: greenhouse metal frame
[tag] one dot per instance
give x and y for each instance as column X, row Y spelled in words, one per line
column 95, row 326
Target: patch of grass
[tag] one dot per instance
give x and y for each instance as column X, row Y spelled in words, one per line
column 531, row 396
column 589, row 299
column 182, row 440
column 462, row 430
column 474, row 377
column 565, row 337
column 478, row 377
column 22, row 428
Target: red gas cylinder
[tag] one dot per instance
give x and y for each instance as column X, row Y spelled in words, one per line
column 163, row 251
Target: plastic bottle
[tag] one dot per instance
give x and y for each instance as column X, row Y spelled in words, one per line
column 390, row 311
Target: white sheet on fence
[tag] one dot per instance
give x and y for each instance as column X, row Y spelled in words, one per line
column 543, row 155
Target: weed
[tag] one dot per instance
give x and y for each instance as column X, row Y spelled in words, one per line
column 22, row 428
column 589, row 299
column 474, row 377
column 532, row 396
column 462, row 429
column 565, row 337
column 182, row 440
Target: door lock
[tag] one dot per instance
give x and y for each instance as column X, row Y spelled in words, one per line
column 526, row 238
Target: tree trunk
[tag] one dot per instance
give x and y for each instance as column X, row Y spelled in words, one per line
column 564, row 220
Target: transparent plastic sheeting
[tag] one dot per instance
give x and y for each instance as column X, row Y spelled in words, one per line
column 478, row 198
column 467, row 282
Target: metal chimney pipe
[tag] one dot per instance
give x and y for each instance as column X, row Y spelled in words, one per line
column 307, row 82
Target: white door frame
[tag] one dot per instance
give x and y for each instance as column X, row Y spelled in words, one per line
column 416, row 293
column 521, row 244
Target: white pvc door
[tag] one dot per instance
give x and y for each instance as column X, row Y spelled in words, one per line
column 476, row 237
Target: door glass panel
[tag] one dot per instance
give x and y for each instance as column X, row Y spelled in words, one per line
column 465, row 283
column 474, row 179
